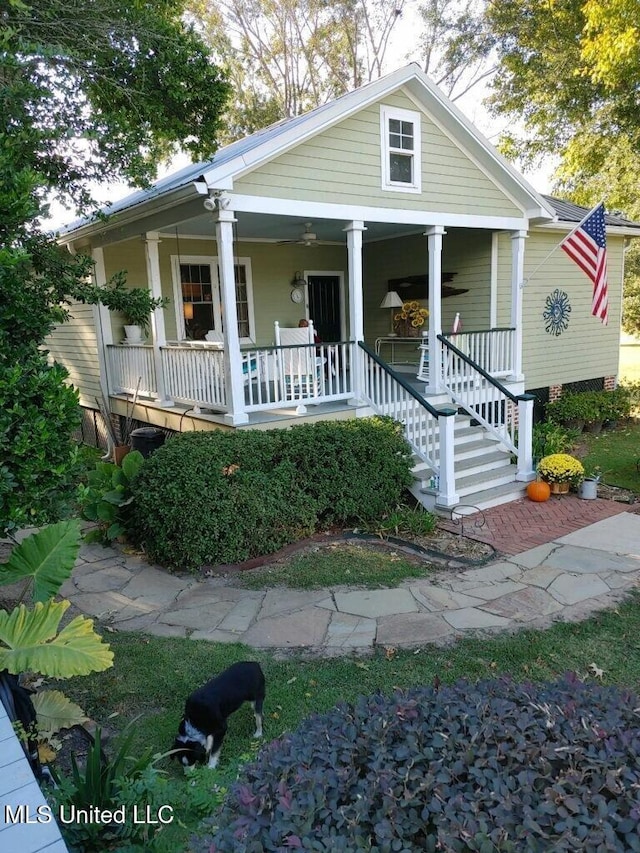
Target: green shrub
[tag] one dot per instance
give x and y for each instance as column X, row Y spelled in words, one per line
column 591, row 406
column 225, row 497
column 38, row 414
column 119, row 782
column 492, row 766
column 550, row 437
column 352, row 470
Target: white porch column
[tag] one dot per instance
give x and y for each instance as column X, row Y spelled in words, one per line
column 447, row 486
column 234, row 384
column 158, row 334
column 354, row 232
column 517, row 282
column 102, row 319
column 434, row 236
column 525, row 438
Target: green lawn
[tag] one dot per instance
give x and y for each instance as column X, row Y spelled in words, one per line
column 152, row 676
column 337, row 564
column 617, row 453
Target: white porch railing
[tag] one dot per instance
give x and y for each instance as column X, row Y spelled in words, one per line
column 506, row 416
column 274, row 377
column 131, row 369
column 428, row 430
column 491, row 349
column 195, row 376
column 281, row 377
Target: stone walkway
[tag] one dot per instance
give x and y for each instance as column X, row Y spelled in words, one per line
column 564, row 579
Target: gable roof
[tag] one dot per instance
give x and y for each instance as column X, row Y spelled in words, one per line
column 249, row 153
column 569, row 212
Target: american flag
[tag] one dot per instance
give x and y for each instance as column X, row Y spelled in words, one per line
column 587, row 246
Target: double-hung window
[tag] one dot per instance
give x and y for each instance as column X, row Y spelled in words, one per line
column 400, row 147
column 197, row 291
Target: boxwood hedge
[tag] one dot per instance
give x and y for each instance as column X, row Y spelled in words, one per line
column 492, row 766
column 223, row 497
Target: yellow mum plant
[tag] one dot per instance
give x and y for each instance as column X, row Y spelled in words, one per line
column 412, row 315
column 561, row 468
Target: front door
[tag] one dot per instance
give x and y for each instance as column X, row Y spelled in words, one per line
column 324, row 305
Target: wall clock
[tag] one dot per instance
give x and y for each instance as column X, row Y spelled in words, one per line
column 297, row 295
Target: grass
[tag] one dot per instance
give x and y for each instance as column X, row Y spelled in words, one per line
column 152, row 676
column 336, row 565
column 616, row 452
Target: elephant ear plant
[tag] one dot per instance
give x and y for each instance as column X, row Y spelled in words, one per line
column 32, row 639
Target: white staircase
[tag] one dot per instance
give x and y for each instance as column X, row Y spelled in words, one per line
column 485, row 474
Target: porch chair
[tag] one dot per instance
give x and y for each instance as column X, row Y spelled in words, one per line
column 299, row 368
column 215, row 340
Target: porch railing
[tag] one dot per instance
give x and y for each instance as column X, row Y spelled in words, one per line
column 428, row 430
column 507, row 416
column 131, row 369
column 195, row 376
column 491, row 349
column 274, row 377
column 298, row 375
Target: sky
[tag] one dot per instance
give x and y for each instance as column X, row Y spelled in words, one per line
column 398, row 55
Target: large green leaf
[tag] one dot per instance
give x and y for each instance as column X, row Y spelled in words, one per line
column 48, row 557
column 34, row 642
column 56, row 712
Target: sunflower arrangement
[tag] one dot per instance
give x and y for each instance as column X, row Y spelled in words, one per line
column 412, row 316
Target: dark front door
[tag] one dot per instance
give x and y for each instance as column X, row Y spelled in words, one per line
column 324, row 306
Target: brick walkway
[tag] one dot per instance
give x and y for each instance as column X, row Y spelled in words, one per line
column 520, row 525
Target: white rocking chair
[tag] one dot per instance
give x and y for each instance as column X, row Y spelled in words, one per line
column 299, row 368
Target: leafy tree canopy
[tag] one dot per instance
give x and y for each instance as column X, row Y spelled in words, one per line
column 102, row 89
column 90, row 90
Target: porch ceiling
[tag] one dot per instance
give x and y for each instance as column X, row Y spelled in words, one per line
column 259, row 226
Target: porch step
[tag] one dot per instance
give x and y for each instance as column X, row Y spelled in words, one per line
column 493, row 496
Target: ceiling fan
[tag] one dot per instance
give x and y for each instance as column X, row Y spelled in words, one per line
column 307, row 238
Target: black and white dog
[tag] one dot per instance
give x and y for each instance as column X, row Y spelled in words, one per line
column 204, row 723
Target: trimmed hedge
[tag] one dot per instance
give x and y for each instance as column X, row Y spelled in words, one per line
column 224, row 497
column 492, row 766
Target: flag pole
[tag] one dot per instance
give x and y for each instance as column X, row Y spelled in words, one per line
column 526, row 280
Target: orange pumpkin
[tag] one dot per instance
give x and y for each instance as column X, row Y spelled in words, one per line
column 538, row 491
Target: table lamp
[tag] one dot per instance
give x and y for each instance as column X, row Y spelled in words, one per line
column 392, row 301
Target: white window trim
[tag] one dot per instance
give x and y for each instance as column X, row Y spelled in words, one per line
column 387, row 113
column 212, row 261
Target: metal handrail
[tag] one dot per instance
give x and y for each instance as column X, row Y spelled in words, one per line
column 402, row 382
column 491, row 379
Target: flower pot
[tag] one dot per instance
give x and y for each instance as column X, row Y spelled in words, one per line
column 133, row 334
column 593, row 427
column 119, row 452
column 559, row 488
column 588, row 489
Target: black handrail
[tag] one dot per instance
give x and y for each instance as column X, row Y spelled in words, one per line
column 491, row 379
column 383, row 364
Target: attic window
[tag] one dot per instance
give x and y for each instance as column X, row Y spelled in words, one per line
column 400, row 148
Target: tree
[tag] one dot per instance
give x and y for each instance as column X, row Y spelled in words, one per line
column 456, row 44
column 88, row 90
column 570, row 70
column 290, row 56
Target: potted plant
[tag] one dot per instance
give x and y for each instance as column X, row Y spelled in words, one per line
column 570, row 410
column 561, row 471
column 136, row 304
